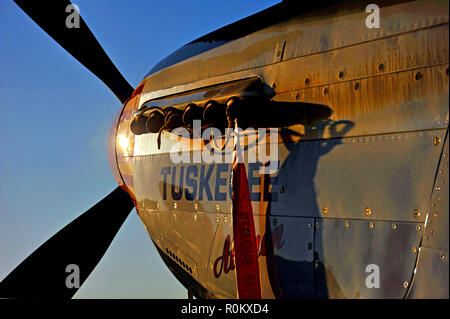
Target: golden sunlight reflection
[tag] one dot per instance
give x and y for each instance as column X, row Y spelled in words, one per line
column 123, row 142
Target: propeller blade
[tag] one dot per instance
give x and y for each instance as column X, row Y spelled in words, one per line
column 51, row 16
column 46, row 272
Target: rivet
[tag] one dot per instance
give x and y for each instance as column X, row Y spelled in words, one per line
column 394, row 226
column 436, row 141
column 195, row 217
column 217, row 219
column 217, row 207
column 196, row 206
column 370, row 225
column 418, row 227
column 405, row 284
column 307, row 81
column 347, row 224
column 225, row 219
column 418, row 76
column 436, row 215
column 341, row 74
column 317, row 225
column 274, row 222
column 367, row 211
column 414, row 250
column 442, row 256
column 325, row 91
column 325, row 209
column 416, row 213
column 174, row 205
column 357, row 85
column 381, row 67
column 282, row 189
column 426, row 237
column 309, row 225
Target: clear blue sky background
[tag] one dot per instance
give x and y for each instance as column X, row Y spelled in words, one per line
column 54, row 122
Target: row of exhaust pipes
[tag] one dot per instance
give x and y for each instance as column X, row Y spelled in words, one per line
column 213, row 114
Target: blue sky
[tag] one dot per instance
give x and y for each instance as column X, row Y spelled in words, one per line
column 55, row 118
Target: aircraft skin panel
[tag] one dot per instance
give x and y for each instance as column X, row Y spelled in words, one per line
column 323, row 33
column 432, row 275
column 390, row 103
column 347, row 178
column 436, row 231
column 352, row 189
column 431, row 279
column 346, row 248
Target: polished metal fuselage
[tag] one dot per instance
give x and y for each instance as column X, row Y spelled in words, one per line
column 367, row 185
